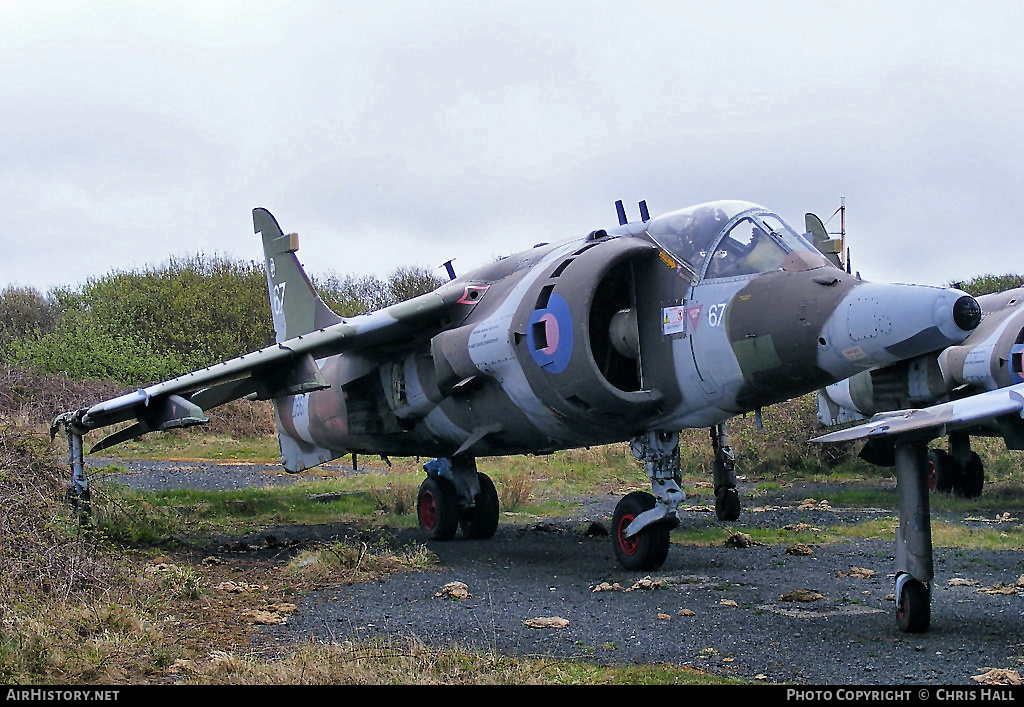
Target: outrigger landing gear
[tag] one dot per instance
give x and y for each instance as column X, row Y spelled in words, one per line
column 914, row 570
column 455, row 494
column 642, row 521
column 727, row 499
column 78, row 492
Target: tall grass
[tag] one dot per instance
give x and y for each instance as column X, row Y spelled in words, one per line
column 66, row 601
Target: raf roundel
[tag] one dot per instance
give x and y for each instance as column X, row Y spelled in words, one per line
column 549, row 335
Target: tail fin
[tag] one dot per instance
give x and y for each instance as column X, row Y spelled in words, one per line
column 296, row 307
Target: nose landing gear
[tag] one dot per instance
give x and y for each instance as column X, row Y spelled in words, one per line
column 642, row 521
column 646, row 549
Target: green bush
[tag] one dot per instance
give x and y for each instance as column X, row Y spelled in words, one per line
column 83, row 348
column 199, row 308
column 24, row 312
column 144, row 326
column 987, row 284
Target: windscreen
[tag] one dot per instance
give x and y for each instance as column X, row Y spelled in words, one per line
column 746, row 249
column 725, row 238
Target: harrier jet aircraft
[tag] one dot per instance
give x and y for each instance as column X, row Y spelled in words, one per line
column 974, row 388
column 991, row 357
column 629, row 333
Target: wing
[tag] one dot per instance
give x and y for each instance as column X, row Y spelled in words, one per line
column 285, row 368
column 307, row 331
column 937, row 420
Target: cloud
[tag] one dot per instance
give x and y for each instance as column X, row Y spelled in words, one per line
column 399, row 133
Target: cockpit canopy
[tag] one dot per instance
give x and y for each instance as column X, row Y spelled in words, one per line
column 726, row 239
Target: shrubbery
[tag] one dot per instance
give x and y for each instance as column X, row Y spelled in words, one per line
column 987, row 284
column 24, row 313
column 148, row 325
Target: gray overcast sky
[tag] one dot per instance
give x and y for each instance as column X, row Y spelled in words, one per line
column 395, row 133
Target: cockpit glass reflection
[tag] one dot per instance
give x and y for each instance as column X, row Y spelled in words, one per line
column 745, row 250
column 721, row 239
column 689, row 234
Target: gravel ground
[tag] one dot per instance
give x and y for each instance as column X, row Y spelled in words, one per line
column 166, row 475
column 724, row 610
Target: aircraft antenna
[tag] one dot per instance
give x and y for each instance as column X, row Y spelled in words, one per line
column 842, row 230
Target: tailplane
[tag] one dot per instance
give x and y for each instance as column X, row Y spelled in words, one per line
column 296, row 307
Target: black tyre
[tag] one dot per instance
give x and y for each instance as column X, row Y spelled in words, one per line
column 727, row 505
column 481, row 521
column 647, row 550
column 940, row 470
column 437, row 508
column 970, row 477
column 913, row 612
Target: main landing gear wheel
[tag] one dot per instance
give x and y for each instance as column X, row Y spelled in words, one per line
column 940, row 466
column 948, row 474
column 647, row 550
column 913, row 608
column 970, row 477
column 481, row 520
column 727, row 505
column 437, row 508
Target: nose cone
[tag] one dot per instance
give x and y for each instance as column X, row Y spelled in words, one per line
column 967, row 313
column 877, row 324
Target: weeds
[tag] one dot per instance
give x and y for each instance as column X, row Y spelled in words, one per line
column 350, row 562
column 396, row 498
column 400, row 661
column 66, row 602
column 515, row 490
column 181, row 582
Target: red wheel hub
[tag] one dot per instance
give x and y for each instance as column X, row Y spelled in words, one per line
column 428, row 511
column 628, row 545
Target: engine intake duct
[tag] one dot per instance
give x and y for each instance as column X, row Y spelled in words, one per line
column 581, row 341
column 914, row 383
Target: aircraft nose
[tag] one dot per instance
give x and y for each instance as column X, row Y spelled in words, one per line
column 878, row 324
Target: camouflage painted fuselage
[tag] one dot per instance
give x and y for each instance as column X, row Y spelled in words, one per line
column 681, row 321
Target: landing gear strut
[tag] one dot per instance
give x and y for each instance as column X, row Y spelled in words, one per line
column 914, row 569
column 78, row 492
column 455, row 495
column 727, row 500
column 642, row 521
